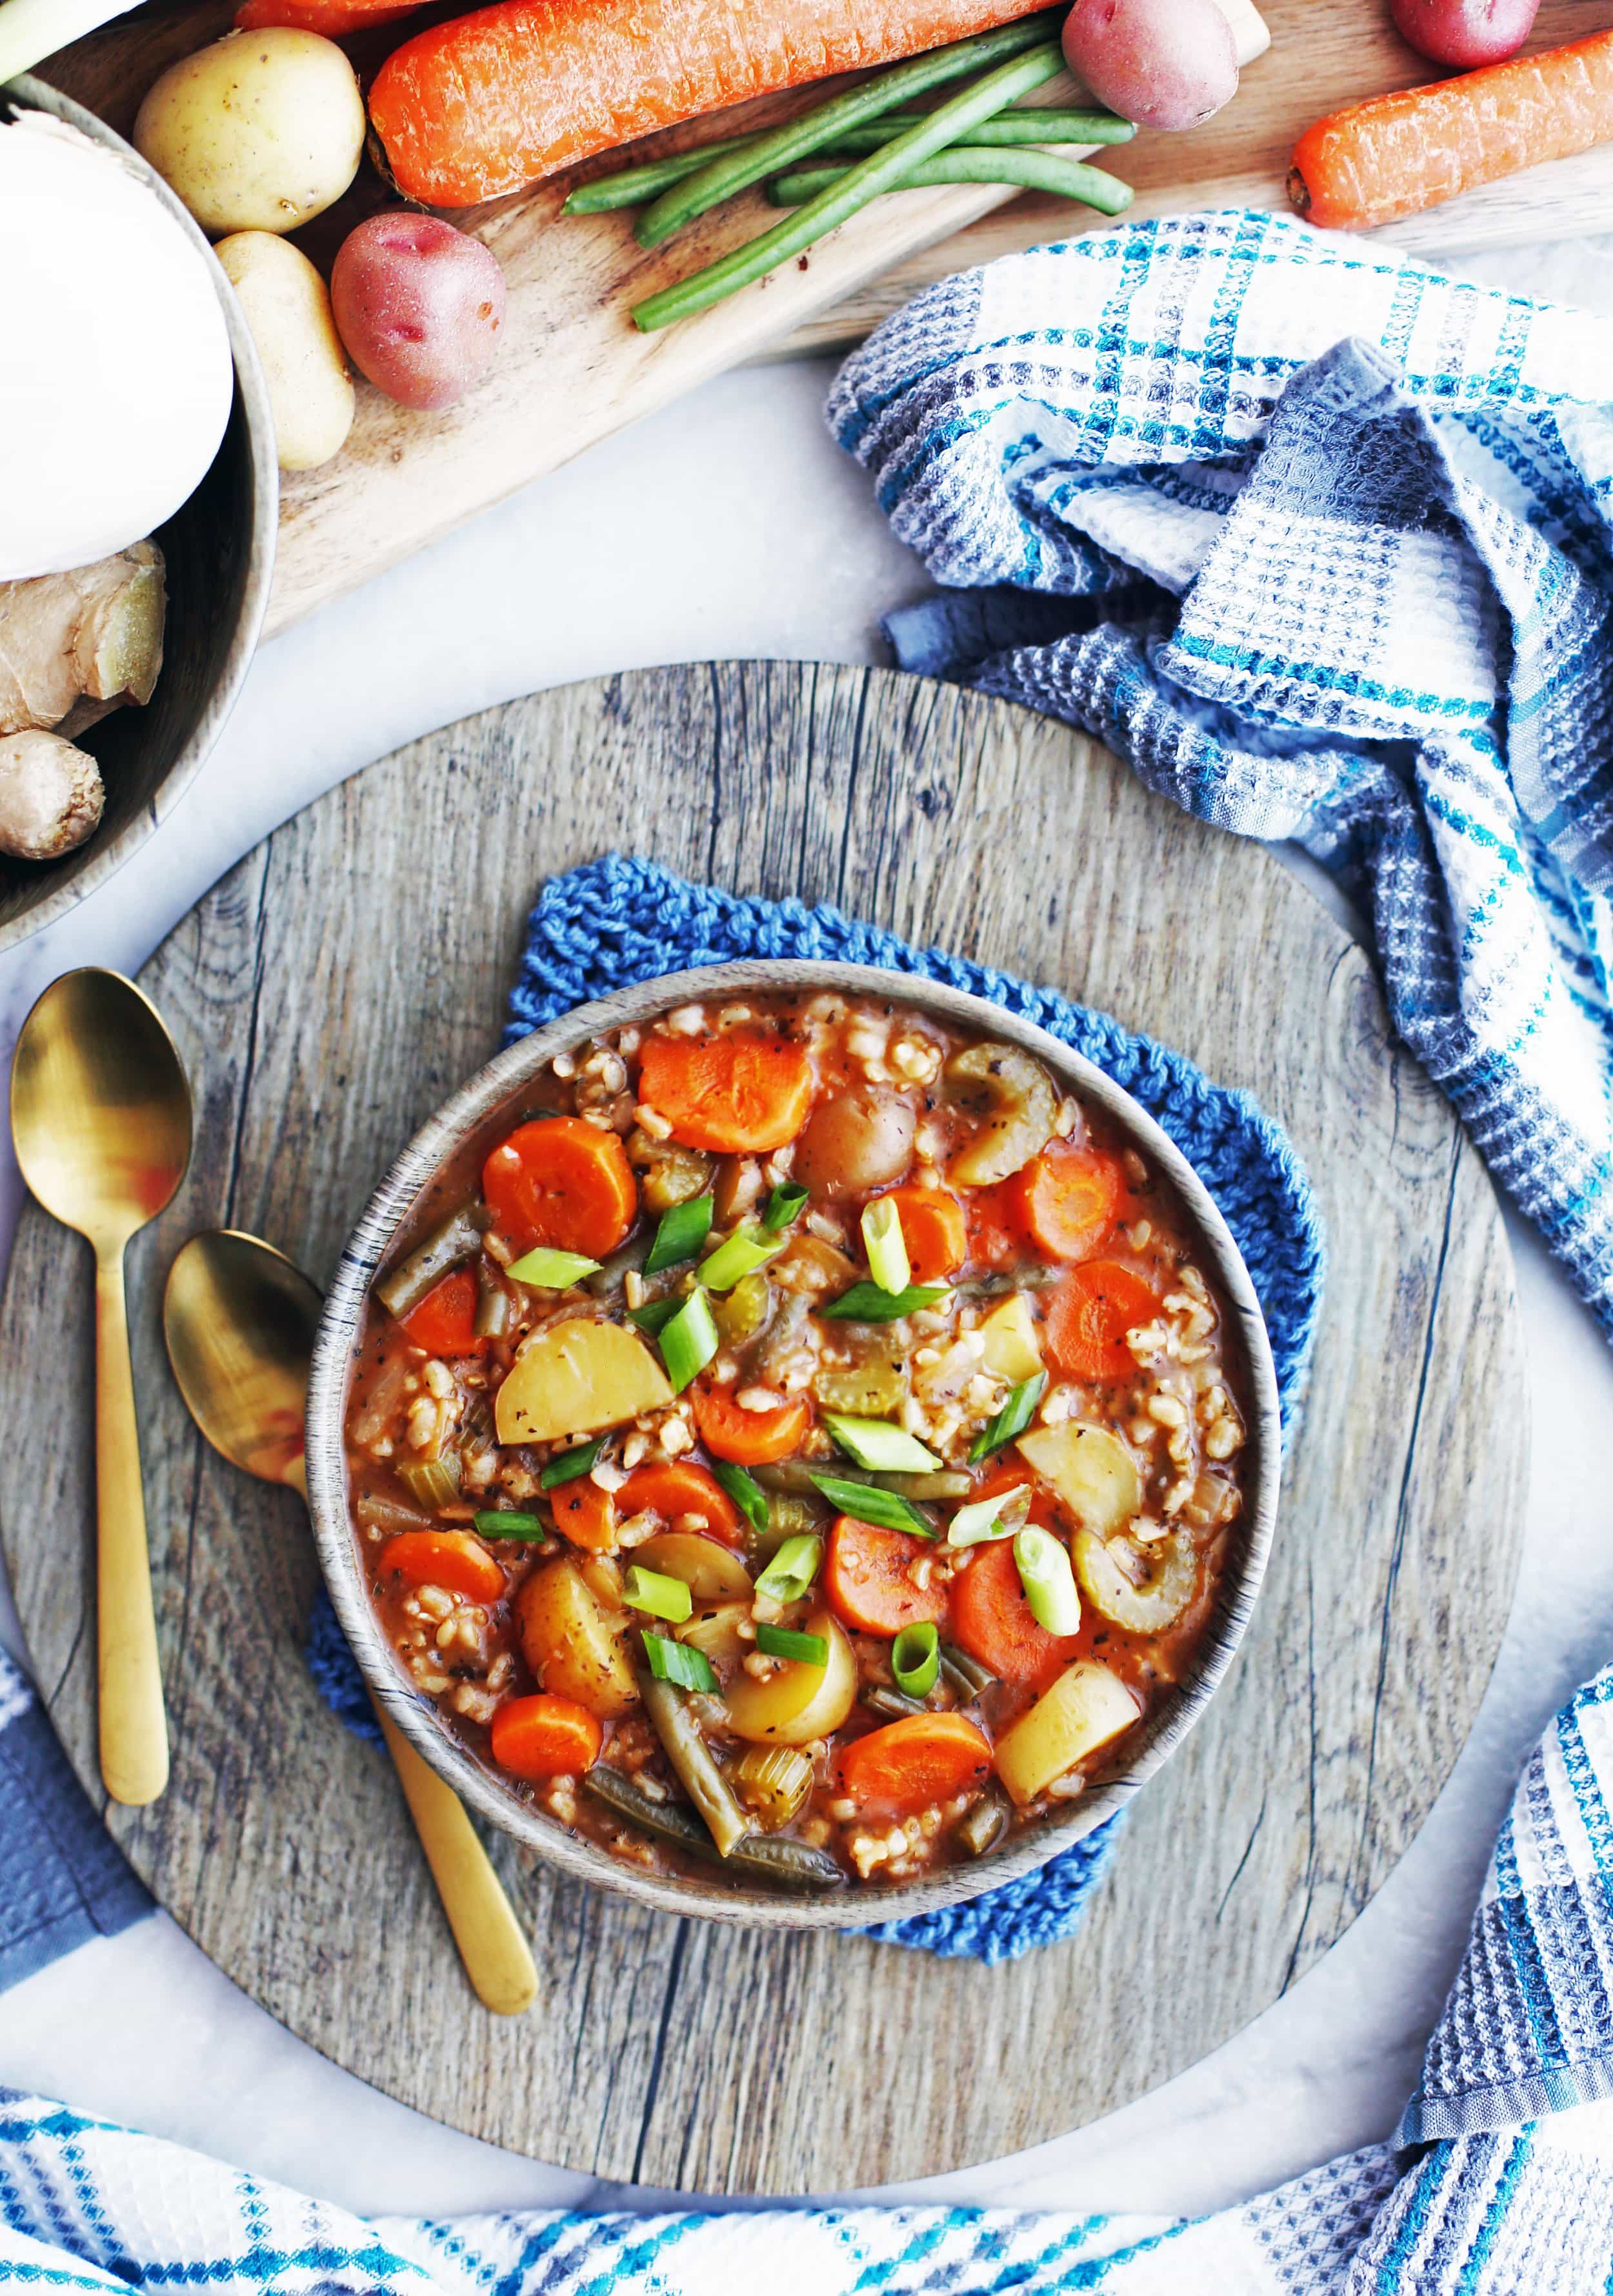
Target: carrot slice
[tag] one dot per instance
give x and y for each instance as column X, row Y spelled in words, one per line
column 562, row 1183
column 750, row 1439
column 545, row 1736
column 993, row 1622
column 1090, row 1314
column 935, row 1230
column 739, row 1093
column 1067, row 1198
column 444, row 1322
column 584, row 1514
column 453, row 1558
column 993, row 1224
column 923, row 1758
column 677, row 1487
column 1398, row 154
column 331, row 18
column 490, row 100
column 867, row 1579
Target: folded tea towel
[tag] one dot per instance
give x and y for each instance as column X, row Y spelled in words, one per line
column 620, row 920
column 1322, row 543
column 1515, row 2197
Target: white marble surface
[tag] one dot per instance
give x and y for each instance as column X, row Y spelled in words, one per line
column 729, row 527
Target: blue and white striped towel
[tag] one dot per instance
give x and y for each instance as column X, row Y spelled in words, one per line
column 1322, row 542
column 1514, row 2196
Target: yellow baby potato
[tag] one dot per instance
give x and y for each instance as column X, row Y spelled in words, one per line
column 1085, row 1708
column 257, row 132
column 288, row 310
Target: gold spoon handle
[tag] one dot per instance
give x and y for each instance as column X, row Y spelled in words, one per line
column 134, row 1726
column 498, row 1959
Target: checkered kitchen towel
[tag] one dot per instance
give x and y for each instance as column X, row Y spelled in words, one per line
column 1513, row 2196
column 1321, row 541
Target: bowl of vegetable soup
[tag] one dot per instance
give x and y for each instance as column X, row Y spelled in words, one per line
column 794, row 1443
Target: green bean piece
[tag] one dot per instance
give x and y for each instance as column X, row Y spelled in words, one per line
column 609, row 1276
column 982, row 1827
column 893, row 1705
column 694, row 1761
column 820, row 124
column 494, row 1308
column 1006, row 131
column 458, row 1238
column 796, row 1477
column 1031, row 170
column 969, row 1678
column 630, row 187
column 779, row 1859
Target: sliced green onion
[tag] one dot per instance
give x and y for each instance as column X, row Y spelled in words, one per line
column 915, row 1660
column 655, row 1592
column 552, row 1271
column 782, row 1641
column 1032, row 170
column 689, row 1341
column 886, row 1245
column 784, row 1205
column 1048, row 1579
column 680, row 1234
column 655, row 1315
column 1013, row 1419
column 821, row 123
column 505, row 1522
column 866, row 1504
column 746, row 1492
column 739, row 1255
column 877, row 1444
column 570, row 1464
column 792, row 1571
column 871, row 1303
column 678, row 1663
column 883, row 171
column 983, row 1518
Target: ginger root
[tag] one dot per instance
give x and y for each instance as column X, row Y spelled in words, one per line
column 50, row 795
column 73, row 646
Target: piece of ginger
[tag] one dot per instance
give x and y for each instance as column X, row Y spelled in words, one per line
column 73, row 646
column 50, row 795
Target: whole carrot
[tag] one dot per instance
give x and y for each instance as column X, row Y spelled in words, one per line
column 1395, row 154
column 486, row 102
column 335, row 18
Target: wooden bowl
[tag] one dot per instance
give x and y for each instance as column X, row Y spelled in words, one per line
column 482, row 1111
column 219, row 548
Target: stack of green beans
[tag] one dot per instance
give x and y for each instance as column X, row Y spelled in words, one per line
column 976, row 136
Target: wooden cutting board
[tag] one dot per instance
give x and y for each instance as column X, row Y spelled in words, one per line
column 333, row 989
column 572, row 369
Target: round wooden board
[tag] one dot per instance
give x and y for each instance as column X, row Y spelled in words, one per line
column 332, row 990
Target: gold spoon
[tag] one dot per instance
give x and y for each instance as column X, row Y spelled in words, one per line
column 240, row 1320
column 100, row 1116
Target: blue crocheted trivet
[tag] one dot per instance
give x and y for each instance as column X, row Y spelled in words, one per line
column 617, row 921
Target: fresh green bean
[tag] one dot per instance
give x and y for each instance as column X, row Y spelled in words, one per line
column 1025, row 125
column 1031, row 171
column 781, row 1858
column 811, row 129
column 630, row 187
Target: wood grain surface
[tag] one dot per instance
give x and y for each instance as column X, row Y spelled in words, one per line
column 572, row 369
column 328, row 994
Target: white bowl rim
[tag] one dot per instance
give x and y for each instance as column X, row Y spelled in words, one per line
column 474, row 1105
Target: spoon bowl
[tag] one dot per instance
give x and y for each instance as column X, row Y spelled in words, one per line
column 101, row 1118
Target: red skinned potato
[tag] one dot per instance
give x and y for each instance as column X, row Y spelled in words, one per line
column 1464, row 33
column 419, row 306
column 1164, row 63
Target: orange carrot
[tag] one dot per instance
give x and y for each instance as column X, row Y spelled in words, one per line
column 993, row 1622
column 1090, row 1314
column 334, row 19
column 994, row 1222
column 739, row 1093
column 750, row 1439
column 444, row 1322
column 1398, row 154
column 545, row 1737
column 677, row 1487
column 562, row 1183
column 584, row 1514
column 923, row 1758
column 935, row 1230
column 1067, row 1199
column 866, row 1578
column 453, row 1558
column 488, row 101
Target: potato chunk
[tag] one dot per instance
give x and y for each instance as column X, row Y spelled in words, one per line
column 1085, row 1708
column 571, row 1643
column 1011, row 1348
column 713, row 1572
column 800, row 1702
column 1091, row 1471
column 574, row 1377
